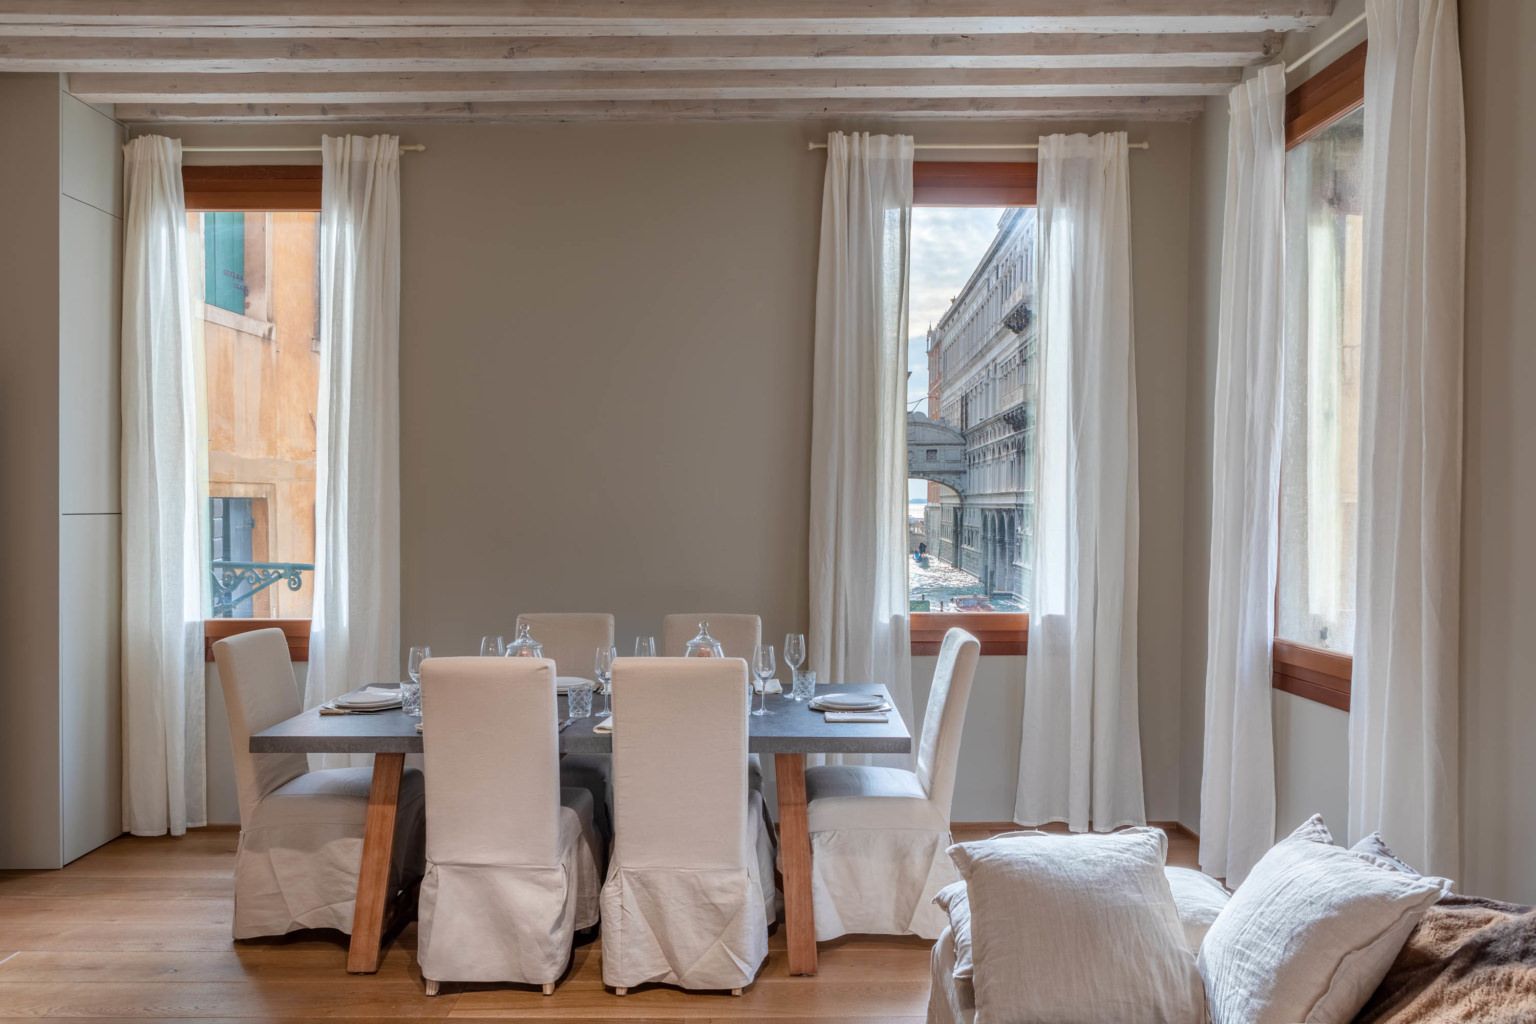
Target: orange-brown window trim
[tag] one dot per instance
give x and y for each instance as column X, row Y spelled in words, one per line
column 296, row 630
column 972, row 183
column 1301, row 669
column 999, row 632
column 283, row 188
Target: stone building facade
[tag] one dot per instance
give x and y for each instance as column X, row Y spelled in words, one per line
column 981, row 381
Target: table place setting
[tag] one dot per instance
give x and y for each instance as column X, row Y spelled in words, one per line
column 847, row 708
column 367, row 701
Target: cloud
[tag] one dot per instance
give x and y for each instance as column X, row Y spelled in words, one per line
column 947, row 243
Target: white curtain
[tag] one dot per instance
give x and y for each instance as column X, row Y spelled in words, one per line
column 355, row 638
column 1237, row 789
column 1080, row 759
column 1403, row 718
column 859, row 429
column 162, row 659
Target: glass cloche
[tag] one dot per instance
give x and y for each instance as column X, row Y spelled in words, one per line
column 704, row 645
column 525, row 646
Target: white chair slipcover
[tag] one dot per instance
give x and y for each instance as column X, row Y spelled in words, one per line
column 689, row 896
column 739, row 635
column 301, row 832
column 512, row 862
column 571, row 639
column 880, row 836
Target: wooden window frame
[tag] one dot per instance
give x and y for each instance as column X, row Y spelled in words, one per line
column 1301, row 669
column 267, row 188
column 274, row 188
column 972, row 183
column 296, row 630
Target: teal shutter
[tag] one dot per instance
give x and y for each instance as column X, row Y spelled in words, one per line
column 224, row 258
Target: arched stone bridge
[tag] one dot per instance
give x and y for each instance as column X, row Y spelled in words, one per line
column 936, row 451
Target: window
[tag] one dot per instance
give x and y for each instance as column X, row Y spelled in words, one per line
column 1324, row 227
column 256, row 271
column 970, row 387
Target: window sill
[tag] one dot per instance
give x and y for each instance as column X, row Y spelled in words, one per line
column 296, row 630
column 1000, row 633
column 1313, row 673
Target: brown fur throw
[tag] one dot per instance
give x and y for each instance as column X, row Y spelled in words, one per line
column 1470, row 959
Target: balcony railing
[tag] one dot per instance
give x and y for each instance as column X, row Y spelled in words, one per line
column 234, row 582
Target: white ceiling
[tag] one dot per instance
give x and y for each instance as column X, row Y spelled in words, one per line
column 646, row 60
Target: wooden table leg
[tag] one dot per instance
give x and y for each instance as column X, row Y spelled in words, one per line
column 373, row 876
column 795, row 863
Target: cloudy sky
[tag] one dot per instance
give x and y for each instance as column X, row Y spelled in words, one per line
column 947, row 243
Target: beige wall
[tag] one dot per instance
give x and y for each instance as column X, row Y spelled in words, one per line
column 606, row 349
column 1498, row 828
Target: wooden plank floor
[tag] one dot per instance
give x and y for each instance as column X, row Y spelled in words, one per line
column 139, row 929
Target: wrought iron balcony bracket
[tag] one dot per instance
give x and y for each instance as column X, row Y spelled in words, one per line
column 230, row 577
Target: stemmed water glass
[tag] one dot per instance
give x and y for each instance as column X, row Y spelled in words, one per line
column 492, row 646
column 645, row 647
column 605, row 660
column 794, row 657
column 762, row 668
column 410, row 693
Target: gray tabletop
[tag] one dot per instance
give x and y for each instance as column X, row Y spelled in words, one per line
column 793, row 728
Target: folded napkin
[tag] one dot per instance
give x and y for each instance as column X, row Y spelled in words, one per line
column 772, row 686
column 840, row 717
column 605, row 726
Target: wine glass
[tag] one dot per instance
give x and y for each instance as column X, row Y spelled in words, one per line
column 410, row 693
column 492, row 646
column 645, row 647
column 605, row 660
column 794, row 657
column 762, row 668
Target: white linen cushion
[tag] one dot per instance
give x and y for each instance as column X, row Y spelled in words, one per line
column 1197, row 896
column 1310, row 933
column 1374, row 847
column 1077, row 928
column 1200, row 898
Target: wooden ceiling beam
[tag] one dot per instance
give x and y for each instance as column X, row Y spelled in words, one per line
column 631, row 53
column 1114, row 108
column 681, row 85
column 688, row 16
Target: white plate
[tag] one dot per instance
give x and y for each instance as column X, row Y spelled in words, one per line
column 850, row 701
column 367, row 699
column 563, row 683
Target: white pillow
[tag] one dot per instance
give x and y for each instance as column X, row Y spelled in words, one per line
column 1199, row 899
column 1310, row 933
column 1374, row 847
column 952, row 899
column 1077, row 928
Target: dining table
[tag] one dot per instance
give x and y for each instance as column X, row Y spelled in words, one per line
column 791, row 732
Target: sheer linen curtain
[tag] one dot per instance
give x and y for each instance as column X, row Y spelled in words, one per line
column 164, row 785
column 1080, row 759
column 1403, row 721
column 1237, row 789
column 859, row 427
column 355, row 638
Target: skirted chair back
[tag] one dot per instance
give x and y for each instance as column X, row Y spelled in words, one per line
column 688, row 900
column 570, row 639
column 512, row 863
column 492, row 761
column 738, row 634
column 938, row 749
column 680, row 762
column 256, row 675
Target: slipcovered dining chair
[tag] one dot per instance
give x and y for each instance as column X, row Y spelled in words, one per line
column 689, row 895
column 880, row 836
column 301, row 831
column 571, row 640
column 739, row 636
column 512, row 858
